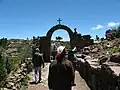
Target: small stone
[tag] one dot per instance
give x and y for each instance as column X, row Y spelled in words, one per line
column 88, row 57
column 94, row 50
column 23, row 65
column 14, row 88
column 11, row 83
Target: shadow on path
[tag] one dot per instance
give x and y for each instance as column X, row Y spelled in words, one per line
column 80, row 83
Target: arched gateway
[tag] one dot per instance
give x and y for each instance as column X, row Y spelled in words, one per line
column 52, row 30
column 59, row 26
column 46, row 40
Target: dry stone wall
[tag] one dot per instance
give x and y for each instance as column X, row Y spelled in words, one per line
column 15, row 79
column 98, row 77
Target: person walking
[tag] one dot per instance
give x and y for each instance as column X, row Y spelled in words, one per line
column 38, row 61
column 61, row 73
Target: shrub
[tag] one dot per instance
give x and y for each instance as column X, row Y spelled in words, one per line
column 114, row 50
column 15, row 63
column 8, row 65
column 3, row 71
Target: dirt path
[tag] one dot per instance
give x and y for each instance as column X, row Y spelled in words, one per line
column 80, row 83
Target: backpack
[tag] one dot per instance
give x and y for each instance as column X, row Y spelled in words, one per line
column 37, row 59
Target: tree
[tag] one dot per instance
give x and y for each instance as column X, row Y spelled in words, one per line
column 97, row 38
column 118, row 32
column 102, row 38
column 110, row 34
column 58, row 38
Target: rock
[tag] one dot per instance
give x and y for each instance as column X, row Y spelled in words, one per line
column 88, row 58
column 94, row 50
column 23, row 65
column 23, row 73
column 18, row 85
column 10, row 79
column 16, row 75
column 97, row 41
column 80, row 56
column 9, row 85
column 115, row 58
column 25, row 69
column 86, row 52
column 102, row 59
column 3, row 89
column 108, row 45
column 18, row 79
column 19, row 71
column 14, row 88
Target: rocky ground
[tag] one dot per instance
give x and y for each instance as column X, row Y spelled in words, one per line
column 80, row 83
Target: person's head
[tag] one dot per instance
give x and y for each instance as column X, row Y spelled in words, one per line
column 61, row 52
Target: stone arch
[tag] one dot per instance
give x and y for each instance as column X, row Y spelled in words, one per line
column 47, row 40
column 54, row 28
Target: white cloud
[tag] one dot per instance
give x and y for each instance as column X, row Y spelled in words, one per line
column 97, row 27
column 113, row 24
column 109, row 25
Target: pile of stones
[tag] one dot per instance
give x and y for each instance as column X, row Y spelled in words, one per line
column 15, row 79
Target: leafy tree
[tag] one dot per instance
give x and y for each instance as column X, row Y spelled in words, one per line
column 102, row 39
column 59, row 38
column 113, row 33
column 97, row 38
column 118, row 32
column 3, row 42
column 109, row 35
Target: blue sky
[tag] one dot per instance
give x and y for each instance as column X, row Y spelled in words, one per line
column 27, row 18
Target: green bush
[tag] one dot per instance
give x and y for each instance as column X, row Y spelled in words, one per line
column 3, row 71
column 15, row 63
column 8, row 65
column 113, row 33
column 114, row 50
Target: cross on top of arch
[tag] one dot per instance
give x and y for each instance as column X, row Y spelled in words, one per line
column 59, row 21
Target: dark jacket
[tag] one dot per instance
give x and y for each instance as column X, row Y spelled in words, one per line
column 61, row 75
column 37, row 59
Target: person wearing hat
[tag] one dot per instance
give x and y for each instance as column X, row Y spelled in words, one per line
column 38, row 61
column 61, row 73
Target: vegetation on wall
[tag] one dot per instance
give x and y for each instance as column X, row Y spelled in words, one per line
column 112, row 33
column 12, row 53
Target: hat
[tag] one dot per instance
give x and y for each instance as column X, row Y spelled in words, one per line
column 37, row 49
column 60, row 49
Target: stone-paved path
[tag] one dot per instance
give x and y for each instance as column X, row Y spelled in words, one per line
column 80, row 83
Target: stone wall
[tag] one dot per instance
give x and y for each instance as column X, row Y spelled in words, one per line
column 15, row 79
column 98, row 77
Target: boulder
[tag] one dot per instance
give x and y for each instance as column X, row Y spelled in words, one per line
column 109, row 44
column 115, row 58
column 102, row 59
